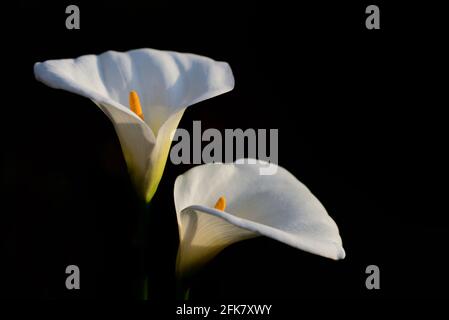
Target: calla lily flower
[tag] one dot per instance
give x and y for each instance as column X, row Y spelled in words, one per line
column 144, row 93
column 220, row 204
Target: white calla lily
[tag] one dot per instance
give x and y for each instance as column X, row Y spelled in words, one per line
column 167, row 82
column 249, row 204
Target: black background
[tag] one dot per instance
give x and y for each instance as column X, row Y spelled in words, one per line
column 361, row 122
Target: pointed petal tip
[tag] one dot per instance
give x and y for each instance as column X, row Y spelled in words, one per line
column 336, row 253
column 37, row 69
column 229, row 75
column 342, row 254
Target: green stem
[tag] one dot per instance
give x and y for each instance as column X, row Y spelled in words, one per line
column 182, row 290
column 142, row 245
column 145, row 289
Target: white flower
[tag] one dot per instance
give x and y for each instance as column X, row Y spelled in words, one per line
column 167, row 83
column 220, row 204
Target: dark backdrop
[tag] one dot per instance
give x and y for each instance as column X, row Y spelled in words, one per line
column 360, row 119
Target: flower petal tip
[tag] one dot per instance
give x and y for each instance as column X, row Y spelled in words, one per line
column 37, row 69
column 229, row 76
column 342, row 254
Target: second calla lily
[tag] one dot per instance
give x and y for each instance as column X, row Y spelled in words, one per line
column 144, row 93
column 220, row 204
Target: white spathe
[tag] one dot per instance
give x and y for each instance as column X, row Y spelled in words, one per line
column 167, row 83
column 278, row 206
